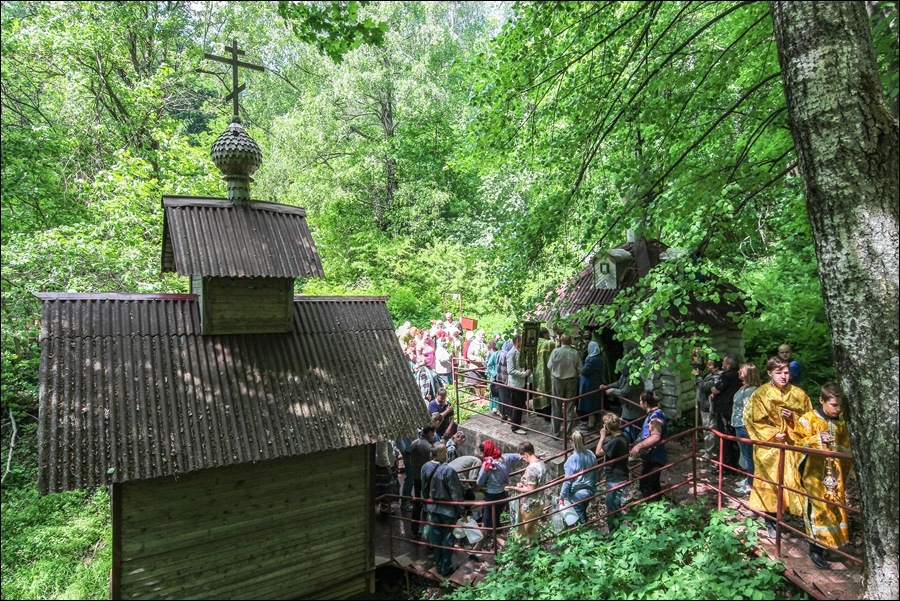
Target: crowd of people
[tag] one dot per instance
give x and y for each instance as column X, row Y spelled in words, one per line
column 731, row 400
column 429, row 481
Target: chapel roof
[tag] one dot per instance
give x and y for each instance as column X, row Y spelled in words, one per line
column 580, row 292
column 130, row 390
column 216, row 237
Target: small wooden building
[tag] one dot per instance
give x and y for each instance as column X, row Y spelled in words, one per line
column 236, row 424
column 610, row 272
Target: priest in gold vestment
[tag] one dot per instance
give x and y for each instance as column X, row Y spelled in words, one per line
column 770, row 416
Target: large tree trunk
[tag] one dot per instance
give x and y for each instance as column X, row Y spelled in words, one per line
column 847, row 147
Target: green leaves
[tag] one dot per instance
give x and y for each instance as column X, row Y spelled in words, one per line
column 667, row 552
column 57, row 546
column 332, row 27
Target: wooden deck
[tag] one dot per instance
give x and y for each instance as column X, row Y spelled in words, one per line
column 416, row 557
column 843, row 581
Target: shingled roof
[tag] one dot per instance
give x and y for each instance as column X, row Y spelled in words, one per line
column 130, row 390
column 215, row 237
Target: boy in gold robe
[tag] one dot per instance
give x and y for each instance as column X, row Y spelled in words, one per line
column 823, row 477
column 770, row 416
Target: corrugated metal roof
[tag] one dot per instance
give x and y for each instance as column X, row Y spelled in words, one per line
column 213, row 236
column 128, row 384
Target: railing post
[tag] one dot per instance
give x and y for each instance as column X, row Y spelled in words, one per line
column 455, row 384
column 391, row 532
column 565, row 424
column 721, row 451
column 779, row 512
column 494, row 527
column 694, row 460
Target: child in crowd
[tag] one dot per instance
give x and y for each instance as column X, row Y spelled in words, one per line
column 823, row 477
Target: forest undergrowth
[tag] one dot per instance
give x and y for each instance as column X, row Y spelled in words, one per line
column 662, row 551
column 56, row 546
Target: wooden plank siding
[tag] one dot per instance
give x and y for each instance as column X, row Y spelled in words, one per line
column 286, row 528
column 257, row 305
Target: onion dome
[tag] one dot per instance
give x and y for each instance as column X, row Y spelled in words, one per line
column 238, row 156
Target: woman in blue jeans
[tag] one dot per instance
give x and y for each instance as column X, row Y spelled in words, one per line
column 575, row 491
column 749, row 374
column 613, row 450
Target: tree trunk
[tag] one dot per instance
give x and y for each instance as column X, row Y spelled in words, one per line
column 847, row 148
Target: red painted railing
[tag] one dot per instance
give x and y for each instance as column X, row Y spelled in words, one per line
column 690, row 478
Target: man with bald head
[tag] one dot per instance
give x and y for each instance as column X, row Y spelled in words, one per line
column 786, row 353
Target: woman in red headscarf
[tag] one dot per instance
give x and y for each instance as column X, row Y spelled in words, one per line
column 493, row 479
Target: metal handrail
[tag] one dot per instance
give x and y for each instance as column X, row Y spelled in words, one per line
column 690, row 479
column 468, row 374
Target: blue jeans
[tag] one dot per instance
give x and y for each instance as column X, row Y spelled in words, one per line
column 442, row 535
column 746, row 451
column 579, row 504
column 614, row 500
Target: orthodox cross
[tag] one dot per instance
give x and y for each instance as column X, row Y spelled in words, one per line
column 235, row 63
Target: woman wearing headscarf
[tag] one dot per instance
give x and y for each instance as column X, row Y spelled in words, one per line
column 493, row 478
column 591, row 380
column 502, row 376
column 490, row 368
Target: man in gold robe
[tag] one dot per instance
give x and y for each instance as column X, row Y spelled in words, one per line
column 823, row 477
column 770, row 416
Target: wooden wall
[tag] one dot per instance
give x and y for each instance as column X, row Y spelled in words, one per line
column 726, row 340
column 245, row 305
column 287, row 528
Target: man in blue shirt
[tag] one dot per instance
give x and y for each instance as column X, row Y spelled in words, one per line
column 447, row 426
column 786, row 353
column 440, row 482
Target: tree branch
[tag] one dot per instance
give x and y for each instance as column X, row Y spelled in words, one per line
column 12, row 443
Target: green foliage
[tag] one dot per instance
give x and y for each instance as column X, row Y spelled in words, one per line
column 668, row 552
column 333, row 27
column 57, row 546
column 887, row 48
column 667, row 119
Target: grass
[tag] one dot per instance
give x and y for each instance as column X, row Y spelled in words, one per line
column 56, row 546
column 467, row 407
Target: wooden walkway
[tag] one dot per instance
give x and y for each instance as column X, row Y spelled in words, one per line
column 416, row 557
column 843, row 581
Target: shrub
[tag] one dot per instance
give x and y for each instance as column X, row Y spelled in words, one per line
column 56, row 546
column 668, row 552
